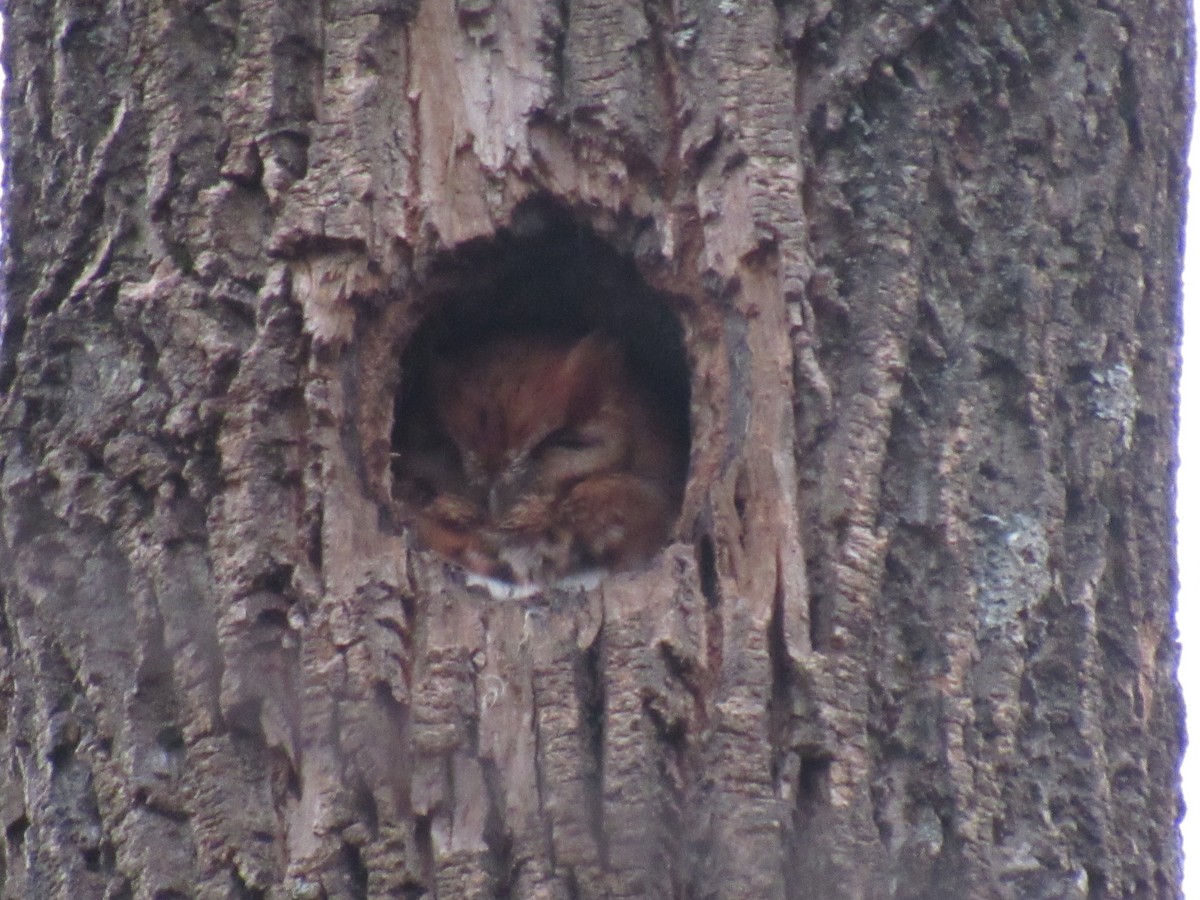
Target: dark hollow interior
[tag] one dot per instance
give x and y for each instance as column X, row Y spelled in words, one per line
column 544, row 275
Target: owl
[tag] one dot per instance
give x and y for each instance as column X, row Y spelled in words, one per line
column 536, row 458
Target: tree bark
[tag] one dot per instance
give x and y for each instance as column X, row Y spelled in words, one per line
column 913, row 636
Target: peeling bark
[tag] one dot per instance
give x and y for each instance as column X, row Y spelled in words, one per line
column 913, row 634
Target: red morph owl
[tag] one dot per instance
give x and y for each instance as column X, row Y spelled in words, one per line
column 542, row 458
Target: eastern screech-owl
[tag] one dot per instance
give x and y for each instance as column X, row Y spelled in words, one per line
column 539, row 457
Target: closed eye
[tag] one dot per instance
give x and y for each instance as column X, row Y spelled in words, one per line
column 566, row 439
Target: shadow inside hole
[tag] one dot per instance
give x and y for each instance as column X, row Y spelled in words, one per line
column 588, row 340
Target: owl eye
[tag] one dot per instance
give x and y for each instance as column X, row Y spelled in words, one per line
column 566, row 439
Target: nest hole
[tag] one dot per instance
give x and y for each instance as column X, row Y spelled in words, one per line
column 541, row 427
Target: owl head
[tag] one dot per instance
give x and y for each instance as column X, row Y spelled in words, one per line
column 533, row 415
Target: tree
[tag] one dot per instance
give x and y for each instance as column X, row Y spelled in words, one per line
column 913, row 637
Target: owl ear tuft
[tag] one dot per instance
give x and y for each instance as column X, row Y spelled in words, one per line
column 588, row 371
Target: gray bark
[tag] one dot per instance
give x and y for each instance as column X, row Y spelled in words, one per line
column 914, row 635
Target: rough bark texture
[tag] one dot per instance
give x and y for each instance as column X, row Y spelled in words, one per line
column 914, row 637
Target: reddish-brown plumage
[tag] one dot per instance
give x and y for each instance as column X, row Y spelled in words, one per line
column 543, row 457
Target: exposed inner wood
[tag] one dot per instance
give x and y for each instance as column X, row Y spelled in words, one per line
column 910, row 272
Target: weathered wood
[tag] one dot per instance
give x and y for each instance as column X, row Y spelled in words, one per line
column 913, row 634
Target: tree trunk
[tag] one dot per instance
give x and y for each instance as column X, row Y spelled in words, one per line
column 912, row 637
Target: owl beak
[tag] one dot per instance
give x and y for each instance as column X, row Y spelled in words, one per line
column 503, row 495
column 507, row 490
column 497, row 500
